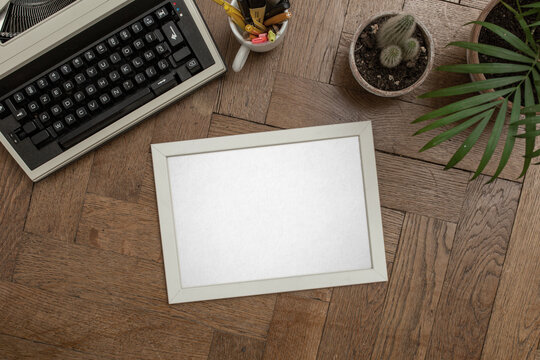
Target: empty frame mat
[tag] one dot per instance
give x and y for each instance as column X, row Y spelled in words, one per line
column 267, row 212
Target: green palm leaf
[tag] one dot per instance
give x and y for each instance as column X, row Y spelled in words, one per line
column 473, row 87
column 510, row 137
column 460, row 115
column 493, row 139
column 531, row 109
column 507, row 36
column 456, row 130
column 485, row 68
column 529, row 120
column 529, row 142
column 495, row 51
column 464, row 104
column 469, row 142
column 535, row 5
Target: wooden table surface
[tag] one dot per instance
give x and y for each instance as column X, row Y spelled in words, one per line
column 81, row 274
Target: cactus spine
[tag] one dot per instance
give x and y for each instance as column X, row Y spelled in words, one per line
column 391, row 56
column 396, row 30
column 410, row 48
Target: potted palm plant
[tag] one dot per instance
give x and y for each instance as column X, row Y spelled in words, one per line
column 504, row 65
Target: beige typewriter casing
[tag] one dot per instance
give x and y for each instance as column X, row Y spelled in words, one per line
column 68, row 22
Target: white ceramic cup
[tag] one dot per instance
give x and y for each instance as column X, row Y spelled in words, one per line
column 247, row 46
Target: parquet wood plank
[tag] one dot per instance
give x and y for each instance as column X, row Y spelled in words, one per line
column 315, row 294
column 300, row 102
column 118, row 166
column 414, row 288
column 474, row 269
column 225, row 126
column 233, row 347
column 341, row 76
column 130, row 283
column 296, row 328
column 392, row 224
column 359, row 11
column 353, row 321
column 55, row 208
column 312, row 39
column 514, row 328
column 247, row 94
column 15, row 193
column 104, row 330
column 445, row 21
column 478, row 4
column 119, row 226
column 13, row 348
column 415, row 186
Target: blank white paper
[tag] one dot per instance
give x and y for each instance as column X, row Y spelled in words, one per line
column 270, row 212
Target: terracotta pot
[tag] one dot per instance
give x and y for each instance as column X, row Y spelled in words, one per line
column 372, row 89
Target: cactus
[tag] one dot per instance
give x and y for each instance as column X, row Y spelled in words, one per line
column 410, row 48
column 396, row 30
column 391, row 56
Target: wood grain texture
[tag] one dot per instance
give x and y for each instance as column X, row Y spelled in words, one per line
column 233, row 347
column 292, row 107
column 14, row 348
column 296, row 328
column 392, row 224
column 514, row 328
column 414, row 288
column 341, row 76
column 359, row 11
column 56, row 203
column 247, row 94
column 132, row 283
column 426, row 189
column 15, row 192
column 118, row 168
column 474, row 269
column 95, row 328
column 309, row 51
column 123, row 227
column 315, row 294
column 225, row 126
column 353, row 321
column 446, row 22
column 478, row 4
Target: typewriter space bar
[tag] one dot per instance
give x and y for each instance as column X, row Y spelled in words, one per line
column 104, row 119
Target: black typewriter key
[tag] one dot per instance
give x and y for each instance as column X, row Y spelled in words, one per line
column 115, row 58
column 18, row 97
column 80, row 79
column 79, row 96
column 65, row 69
column 56, row 93
column 42, row 83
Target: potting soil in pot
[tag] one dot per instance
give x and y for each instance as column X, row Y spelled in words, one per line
column 367, row 61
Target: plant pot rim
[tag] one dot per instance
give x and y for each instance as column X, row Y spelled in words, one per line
column 430, row 44
column 472, row 56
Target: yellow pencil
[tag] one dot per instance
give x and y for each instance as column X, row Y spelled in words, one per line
column 238, row 20
column 219, row 2
column 230, row 8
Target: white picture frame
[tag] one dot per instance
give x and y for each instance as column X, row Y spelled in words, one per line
column 162, row 153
